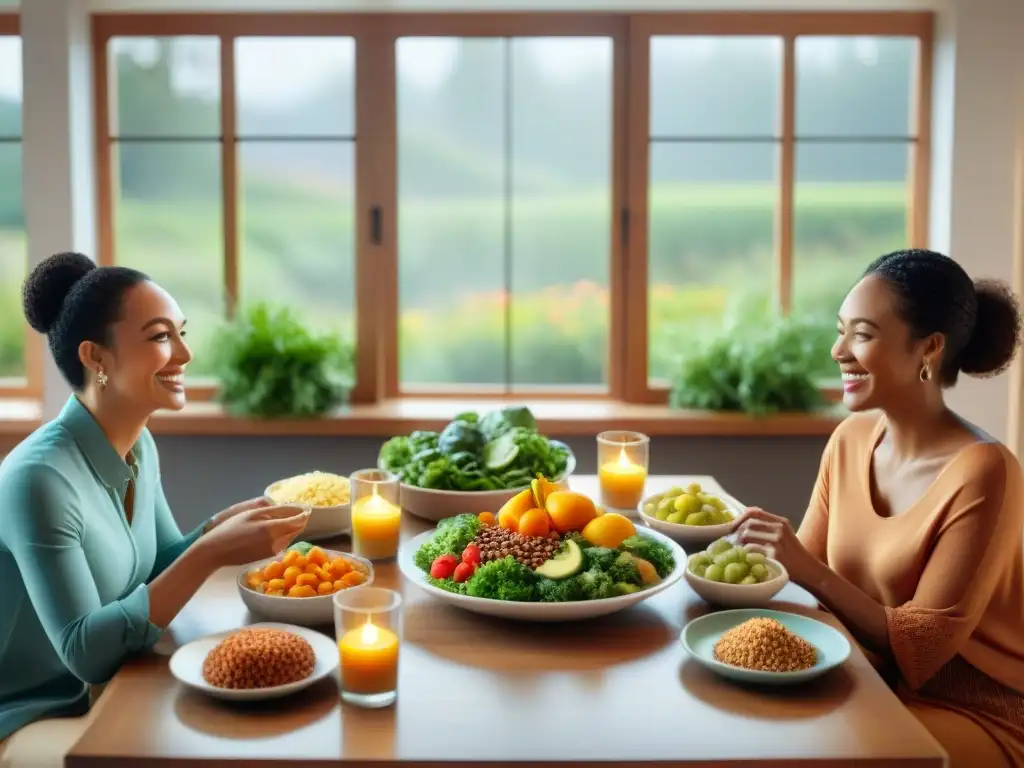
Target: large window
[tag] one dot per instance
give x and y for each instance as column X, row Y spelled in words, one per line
column 550, row 204
column 13, row 254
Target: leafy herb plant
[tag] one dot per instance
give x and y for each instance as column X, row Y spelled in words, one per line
column 754, row 370
column 271, row 366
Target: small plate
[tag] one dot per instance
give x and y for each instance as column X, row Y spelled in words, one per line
column 187, row 664
column 701, row 634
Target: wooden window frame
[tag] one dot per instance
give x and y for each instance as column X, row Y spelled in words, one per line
column 31, row 385
column 789, row 26
column 376, row 259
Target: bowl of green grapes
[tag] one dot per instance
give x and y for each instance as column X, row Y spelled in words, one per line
column 733, row 576
column 690, row 515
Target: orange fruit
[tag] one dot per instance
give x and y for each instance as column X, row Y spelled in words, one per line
column 535, row 522
column 486, row 518
column 609, row 530
column 569, row 510
column 518, row 504
column 509, row 518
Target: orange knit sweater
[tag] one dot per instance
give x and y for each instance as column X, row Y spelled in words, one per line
column 949, row 571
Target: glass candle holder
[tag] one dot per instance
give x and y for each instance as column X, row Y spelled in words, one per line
column 376, row 513
column 368, row 628
column 622, row 461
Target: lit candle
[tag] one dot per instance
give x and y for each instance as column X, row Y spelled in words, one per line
column 376, row 524
column 622, row 482
column 369, row 660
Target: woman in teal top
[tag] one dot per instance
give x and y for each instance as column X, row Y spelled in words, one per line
column 92, row 564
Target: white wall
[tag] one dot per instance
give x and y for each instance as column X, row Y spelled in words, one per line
column 979, row 66
column 977, row 95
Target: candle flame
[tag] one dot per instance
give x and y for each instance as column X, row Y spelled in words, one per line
column 369, row 633
column 623, row 458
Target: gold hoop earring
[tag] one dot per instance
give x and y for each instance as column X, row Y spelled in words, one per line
column 101, row 379
column 926, row 373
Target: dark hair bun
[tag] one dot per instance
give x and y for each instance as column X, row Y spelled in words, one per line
column 997, row 330
column 49, row 284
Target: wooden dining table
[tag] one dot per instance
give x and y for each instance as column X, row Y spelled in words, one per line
column 492, row 692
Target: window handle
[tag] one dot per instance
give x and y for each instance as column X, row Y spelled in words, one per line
column 376, row 226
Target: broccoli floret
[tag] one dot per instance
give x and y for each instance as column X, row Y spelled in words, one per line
column 595, row 584
column 601, row 558
column 624, row 570
column 561, row 591
column 505, row 579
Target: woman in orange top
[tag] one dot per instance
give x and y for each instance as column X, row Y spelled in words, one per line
column 914, row 537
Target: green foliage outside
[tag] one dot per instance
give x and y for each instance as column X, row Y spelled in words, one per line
column 715, row 269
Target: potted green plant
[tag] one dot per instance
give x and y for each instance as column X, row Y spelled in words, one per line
column 270, row 365
column 757, row 370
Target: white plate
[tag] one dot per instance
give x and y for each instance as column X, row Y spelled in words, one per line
column 434, row 505
column 553, row 612
column 187, row 664
column 700, row 636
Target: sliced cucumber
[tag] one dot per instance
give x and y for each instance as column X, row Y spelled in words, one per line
column 568, row 562
column 501, row 452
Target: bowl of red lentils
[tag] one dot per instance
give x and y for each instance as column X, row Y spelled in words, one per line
column 297, row 588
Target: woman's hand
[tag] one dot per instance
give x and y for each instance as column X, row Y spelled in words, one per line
column 260, row 502
column 774, row 537
column 254, row 534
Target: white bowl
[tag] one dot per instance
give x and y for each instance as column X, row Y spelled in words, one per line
column 739, row 595
column 539, row 612
column 691, row 535
column 306, row 611
column 324, row 522
column 434, row 505
column 187, row 664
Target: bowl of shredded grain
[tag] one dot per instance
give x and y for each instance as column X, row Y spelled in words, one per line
column 328, row 495
column 257, row 662
column 762, row 646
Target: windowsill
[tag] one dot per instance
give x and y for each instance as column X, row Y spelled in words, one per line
column 558, row 418
column 561, row 418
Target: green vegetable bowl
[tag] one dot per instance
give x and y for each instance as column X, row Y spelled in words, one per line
column 475, row 464
column 434, row 505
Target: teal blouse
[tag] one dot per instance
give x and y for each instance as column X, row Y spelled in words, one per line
column 74, row 601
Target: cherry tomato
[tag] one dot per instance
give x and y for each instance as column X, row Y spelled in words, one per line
column 443, row 566
column 463, row 571
column 471, row 554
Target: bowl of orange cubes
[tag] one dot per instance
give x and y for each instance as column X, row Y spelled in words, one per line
column 297, row 586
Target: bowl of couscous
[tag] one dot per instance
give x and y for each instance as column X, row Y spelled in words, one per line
column 328, row 495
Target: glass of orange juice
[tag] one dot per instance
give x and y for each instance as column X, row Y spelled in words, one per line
column 622, row 462
column 368, row 628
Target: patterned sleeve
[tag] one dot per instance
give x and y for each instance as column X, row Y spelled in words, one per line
column 971, row 550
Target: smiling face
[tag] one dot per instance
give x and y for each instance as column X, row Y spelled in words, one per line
column 145, row 364
column 879, row 359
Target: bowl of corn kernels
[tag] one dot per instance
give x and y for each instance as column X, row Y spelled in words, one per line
column 328, row 496
column 297, row 587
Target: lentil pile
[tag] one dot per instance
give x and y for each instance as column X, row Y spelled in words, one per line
column 497, row 543
column 765, row 645
column 259, row 658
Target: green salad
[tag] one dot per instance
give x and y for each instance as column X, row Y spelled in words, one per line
column 460, row 558
column 499, row 450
